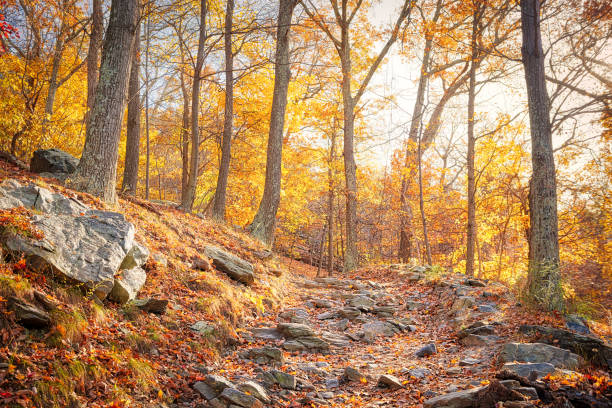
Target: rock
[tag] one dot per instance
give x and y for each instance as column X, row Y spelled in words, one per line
column 419, row 372
column 591, row 348
column 577, row 324
column 159, row 259
column 12, row 159
column 341, row 325
column 463, row 303
column 454, row 370
column 53, row 161
column 231, row 265
column 203, row 327
column 84, row 245
column 459, row 399
column 27, row 315
column 363, row 303
column 476, row 340
column 47, row 302
column 263, row 254
column 327, row 395
column 327, row 315
column 411, row 305
column 384, row 311
column 151, row 305
column 127, row 284
column 266, row 333
column 475, row 283
column 378, row 328
column 205, row 390
column 350, row 313
column 389, row 381
column 136, row 256
column 256, row 390
column 479, row 330
column 539, row 353
column 264, row 355
column 284, row 380
column 487, row 309
column 217, row 403
column 201, row 264
column 529, row 392
column 525, row 369
column 338, row 340
column 295, row 315
column 352, row 374
column 331, row 383
column 322, row 303
column 469, row 361
column 295, row 330
column 428, row 350
column 240, row 398
column 217, row 382
column 306, row 343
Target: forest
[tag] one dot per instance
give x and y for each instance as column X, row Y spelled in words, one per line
column 345, row 137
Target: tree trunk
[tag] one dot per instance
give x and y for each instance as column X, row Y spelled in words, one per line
column 544, row 280
column 422, row 206
column 147, row 135
column 53, row 79
column 471, row 190
column 264, row 223
column 184, row 137
column 218, row 208
column 330, row 206
column 132, row 143
column 93, row 54
column 187, row 202
column 97, row 170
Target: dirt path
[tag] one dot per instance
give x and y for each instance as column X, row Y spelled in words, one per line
column 356, row 342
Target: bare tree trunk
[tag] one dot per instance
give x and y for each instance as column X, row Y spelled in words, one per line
column 544, row 280
column 330, row 206
column 422, row 206
column 93, row 54
column 187, row 199
column 185, row 137
column 97, row 170
column 264, row 223
column 132, row 143
column 147, row 135
column 471, row 193
column 218, row 208
column 53, row 79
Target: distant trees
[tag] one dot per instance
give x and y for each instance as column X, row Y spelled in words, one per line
column 97, row 170
column 264, row 223
column 544, row 278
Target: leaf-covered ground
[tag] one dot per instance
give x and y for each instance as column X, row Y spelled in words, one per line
column 105, row 355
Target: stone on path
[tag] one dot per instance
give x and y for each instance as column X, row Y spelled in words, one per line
column 476, row 340
column 539, row 353
column 264, row 355
column 266, row 333
column 363, row 303
column 256, row 390
column 378, row 328
column 459, row 399
column 389, row 381
column 295, row 330
column 525, row 369
column 427, row 350
column 151, row 305
column 284, row 380
column 240, row 398
column 352, row 374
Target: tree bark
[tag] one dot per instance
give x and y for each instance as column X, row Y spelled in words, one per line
column 218, row 208
column 188, row 197
column 544, row 280
column 185, row 137
column 93, row 55
column 330, row 205
column 422, row 206
column 264, row 223
column 132, row 143
column 97, row 170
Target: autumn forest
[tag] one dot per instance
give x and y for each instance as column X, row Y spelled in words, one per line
column 464, row 137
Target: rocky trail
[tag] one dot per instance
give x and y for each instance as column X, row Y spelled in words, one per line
column 358, row 342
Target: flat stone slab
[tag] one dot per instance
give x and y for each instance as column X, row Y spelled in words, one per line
column 233, row 266
column 539, row 353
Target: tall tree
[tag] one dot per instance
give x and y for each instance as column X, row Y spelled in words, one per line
column 218, row 207
column 93, row 54
column 97, row 169
column 471, row 146
column 188, row 197
column 544, row 279
column 132, row 143
column 343, row 18
column 264, row 223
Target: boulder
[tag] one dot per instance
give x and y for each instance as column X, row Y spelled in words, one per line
column 239, row 398
column 264, row 355
column 205, row 390
column 463, row 303
column 484, row 330
column 459, row 399
column 83, row 245
column 137, row 256
column 217, row 382
column 256, row 390
column 376, row 329
column 295, row 330
column 27, row 315
column 525, row 369
column 418, row 372
column 284, row 380
column 203, row 327
column 591, row 348
column 539, row 353
column 231, row 265
column 363, row 303
column 352, row 374
column 127, row 284
column 54, row 161
column 476, row 340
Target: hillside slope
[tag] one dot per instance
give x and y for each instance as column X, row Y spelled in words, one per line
column 391, row 335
